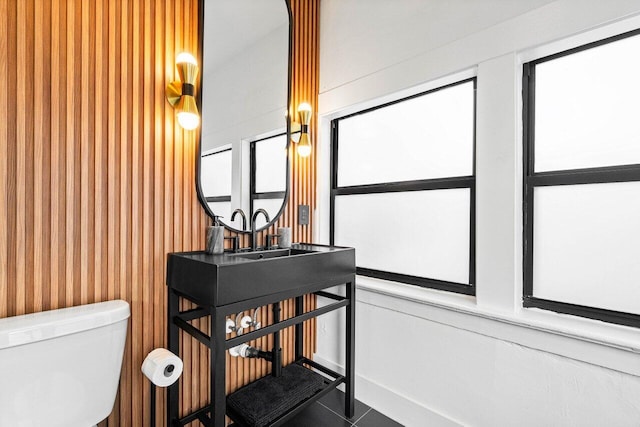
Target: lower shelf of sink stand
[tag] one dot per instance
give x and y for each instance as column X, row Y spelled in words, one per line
column 272, row 401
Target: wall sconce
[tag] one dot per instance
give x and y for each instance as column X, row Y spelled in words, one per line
column 180, row 94
column 300, row 131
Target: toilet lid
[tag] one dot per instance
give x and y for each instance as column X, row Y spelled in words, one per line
column 29, row 328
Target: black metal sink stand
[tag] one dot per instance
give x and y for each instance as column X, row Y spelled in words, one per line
column 213, row 415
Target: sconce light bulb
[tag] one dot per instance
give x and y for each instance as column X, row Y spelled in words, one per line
column 189, row 121
column 187, row 68
column 185, row 57
column 304, row 106
column 187, row 112
column 304, row 146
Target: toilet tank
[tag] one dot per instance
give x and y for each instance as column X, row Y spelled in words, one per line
column 61, row 367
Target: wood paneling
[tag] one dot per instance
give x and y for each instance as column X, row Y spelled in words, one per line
column 304, row 88
column 97, row 179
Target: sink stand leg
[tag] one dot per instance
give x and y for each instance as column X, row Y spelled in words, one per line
column 299, row 337
column 276, row 359
column 218, row 368
column 350, row 344
column 173, row 342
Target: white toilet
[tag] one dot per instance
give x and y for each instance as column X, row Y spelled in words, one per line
column 61, row 367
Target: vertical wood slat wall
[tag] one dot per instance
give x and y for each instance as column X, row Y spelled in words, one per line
column 97, row 179
column 304, row 88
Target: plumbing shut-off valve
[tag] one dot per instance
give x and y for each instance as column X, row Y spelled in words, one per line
column 234, row 325
column 251, row 321
column 243, row 322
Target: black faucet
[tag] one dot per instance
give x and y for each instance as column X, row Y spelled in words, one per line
column 244, row 218
column 253, row 226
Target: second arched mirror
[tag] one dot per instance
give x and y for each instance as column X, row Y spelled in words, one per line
column 246, row 74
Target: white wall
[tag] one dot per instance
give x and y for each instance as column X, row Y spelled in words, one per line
column 432, row 358
column 247, row 97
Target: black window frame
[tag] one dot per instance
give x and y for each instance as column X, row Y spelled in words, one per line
column 214, row 199
column 532, row 179
column 253, row 194
column 448, row 183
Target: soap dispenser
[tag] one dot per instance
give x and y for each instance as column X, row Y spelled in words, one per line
column 215, row 237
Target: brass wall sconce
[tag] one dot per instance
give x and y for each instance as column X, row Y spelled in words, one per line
column 300, row 130
column 180, row 94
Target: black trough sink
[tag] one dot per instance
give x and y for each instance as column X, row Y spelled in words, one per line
column 217, row 280
column 275, row 253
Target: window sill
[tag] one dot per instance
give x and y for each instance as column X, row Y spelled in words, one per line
column 590, row 341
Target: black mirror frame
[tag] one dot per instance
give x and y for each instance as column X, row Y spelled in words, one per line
column 198, row 150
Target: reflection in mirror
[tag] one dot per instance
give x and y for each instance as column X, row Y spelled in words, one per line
column 216, row 180
column 245, row 77
column 269, row 177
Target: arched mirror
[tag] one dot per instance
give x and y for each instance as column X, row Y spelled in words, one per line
column 246, row 72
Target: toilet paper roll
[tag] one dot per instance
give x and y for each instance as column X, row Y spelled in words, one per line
column 162, row 367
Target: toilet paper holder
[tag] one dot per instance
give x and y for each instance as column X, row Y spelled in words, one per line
column 162, row 368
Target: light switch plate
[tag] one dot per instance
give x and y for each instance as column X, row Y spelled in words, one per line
column 303, row 214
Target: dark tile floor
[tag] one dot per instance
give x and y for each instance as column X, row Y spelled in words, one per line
column 329, row 412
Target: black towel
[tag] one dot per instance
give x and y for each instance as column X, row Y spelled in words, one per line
column 268, row 398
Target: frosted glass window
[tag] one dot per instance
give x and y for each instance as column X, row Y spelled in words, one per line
column 271, row 164
column 418, row 233
column 430, row 136
column 421, row 232
column 216, row 174
column 585, row 226
column 586, row 108
column 272, row 206
column 586, row 245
